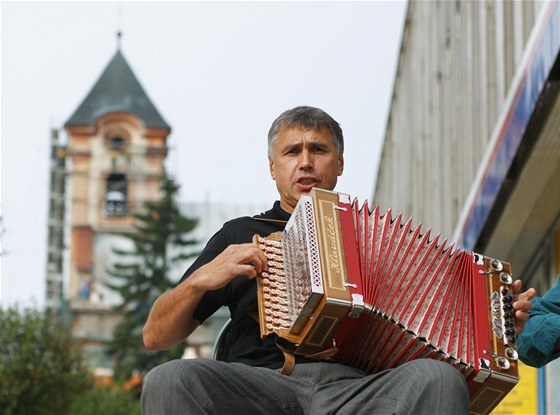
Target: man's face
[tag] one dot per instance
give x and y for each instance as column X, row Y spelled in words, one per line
column 304, row 159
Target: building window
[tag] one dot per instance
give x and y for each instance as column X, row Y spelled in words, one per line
column 117, row 143
column 116, row 196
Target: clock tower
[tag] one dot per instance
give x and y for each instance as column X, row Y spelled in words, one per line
column 117, row 144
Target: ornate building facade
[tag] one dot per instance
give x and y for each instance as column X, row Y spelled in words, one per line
column 117, row 144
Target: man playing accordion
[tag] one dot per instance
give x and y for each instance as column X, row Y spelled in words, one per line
column 305, row 150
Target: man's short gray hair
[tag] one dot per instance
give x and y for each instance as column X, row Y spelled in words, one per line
column 309, row 118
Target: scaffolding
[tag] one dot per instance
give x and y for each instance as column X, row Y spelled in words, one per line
column 56, row 223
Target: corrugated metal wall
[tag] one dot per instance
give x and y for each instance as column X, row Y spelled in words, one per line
column 457, row 62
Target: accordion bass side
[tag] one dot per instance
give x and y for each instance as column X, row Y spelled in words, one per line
column 382, row 293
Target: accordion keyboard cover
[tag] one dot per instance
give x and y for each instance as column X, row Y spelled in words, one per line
column 383, row 292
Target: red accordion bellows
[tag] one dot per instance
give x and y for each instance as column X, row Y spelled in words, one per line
column 383, row 292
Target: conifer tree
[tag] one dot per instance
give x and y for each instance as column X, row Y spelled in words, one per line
column 142, row 274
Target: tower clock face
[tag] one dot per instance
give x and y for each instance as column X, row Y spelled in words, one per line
column 116, row 197
column 115, row 204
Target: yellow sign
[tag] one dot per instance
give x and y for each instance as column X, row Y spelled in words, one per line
column 523, row 399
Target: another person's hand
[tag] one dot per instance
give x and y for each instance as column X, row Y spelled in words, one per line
column 522, row 304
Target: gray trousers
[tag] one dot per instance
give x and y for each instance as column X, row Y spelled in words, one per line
column 201, row 386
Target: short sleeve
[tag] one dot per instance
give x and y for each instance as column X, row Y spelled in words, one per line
column 212, row 300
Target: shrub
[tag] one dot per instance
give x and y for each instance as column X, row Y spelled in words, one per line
column 41, row 369
column 106, row 400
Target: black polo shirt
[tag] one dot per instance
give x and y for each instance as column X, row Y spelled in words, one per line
column 240, row 295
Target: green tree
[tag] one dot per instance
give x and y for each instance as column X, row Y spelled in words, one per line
column 41, row 369
column 106, row 400
column 160, row 240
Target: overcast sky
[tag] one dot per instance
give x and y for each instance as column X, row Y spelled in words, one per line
column 218, row 72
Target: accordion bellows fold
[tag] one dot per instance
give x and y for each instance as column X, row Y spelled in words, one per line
column 384, row 292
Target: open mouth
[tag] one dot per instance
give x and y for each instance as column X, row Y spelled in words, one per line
column 307, row 183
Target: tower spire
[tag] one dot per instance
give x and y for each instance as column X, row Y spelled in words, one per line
column 119, row 29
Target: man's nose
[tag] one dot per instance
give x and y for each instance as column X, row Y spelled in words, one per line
column 306, row 160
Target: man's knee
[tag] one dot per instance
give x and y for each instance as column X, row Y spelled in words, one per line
column 442, row 376
column 175, row 387
column 176, row 372
column 439, row 388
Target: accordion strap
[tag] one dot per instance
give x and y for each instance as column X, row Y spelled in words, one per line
column 289, row 356
column 327, row 354
column 289, row 360
column 275, row 221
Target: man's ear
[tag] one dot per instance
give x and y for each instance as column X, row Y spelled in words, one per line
column 271, row 168
column 340, row 165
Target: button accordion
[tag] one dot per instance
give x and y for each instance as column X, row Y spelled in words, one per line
column 381, row 293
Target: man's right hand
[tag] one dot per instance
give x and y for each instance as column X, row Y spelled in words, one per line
column 171, row 317
column 235, row 260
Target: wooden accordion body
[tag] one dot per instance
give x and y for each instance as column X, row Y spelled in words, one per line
column 383, row 293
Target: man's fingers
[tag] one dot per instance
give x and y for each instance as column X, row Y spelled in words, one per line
column 246, row 257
